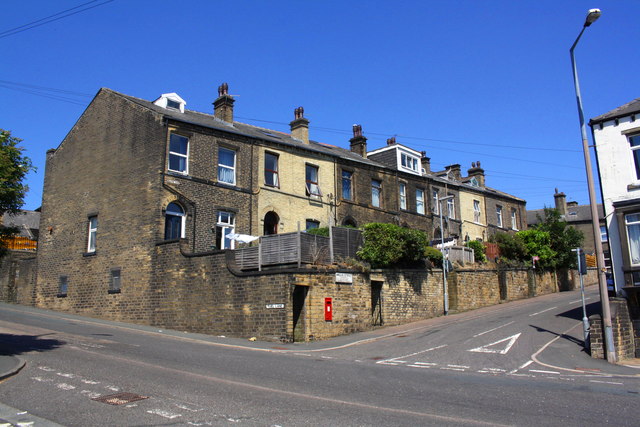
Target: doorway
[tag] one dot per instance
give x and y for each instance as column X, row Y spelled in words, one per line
column 271, row 220
column 298, row 299
column 376, row 303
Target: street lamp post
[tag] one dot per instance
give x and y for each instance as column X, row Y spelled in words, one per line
column 444, row 264
column 592, row 16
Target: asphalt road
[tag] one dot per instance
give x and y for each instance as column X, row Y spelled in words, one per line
column 514, row 364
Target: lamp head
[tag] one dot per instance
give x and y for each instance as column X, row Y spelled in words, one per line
column 592, row 16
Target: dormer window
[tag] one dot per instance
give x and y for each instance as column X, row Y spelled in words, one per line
column 474, row 182
column 173, row 104
column 409, row 162
column 171, row 101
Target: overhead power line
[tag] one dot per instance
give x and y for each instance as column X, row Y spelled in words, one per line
column 52, row 18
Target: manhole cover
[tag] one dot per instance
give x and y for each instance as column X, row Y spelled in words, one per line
column 119, row 398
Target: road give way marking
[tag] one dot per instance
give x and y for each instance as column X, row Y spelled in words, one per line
column 510, row 341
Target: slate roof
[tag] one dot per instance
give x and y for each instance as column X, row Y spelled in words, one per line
column 238, row 128
column 580, row 213
column 627, row 109
column 28, row 222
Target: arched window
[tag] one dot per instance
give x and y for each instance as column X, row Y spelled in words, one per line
column 173, row 222
column 271, row 220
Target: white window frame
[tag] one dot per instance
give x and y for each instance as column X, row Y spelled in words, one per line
column 376, row 188
column 451, row 208
column 176, row 154
column 499, row 216
column 634, row 145
column 403, row 195
column 514, row 219
column 628, row 223
column 477, row 212
column 93, row 231
column 225, row 227
column 435, row 195
column 420, row 201
column 409, row 162
column 312, row 187
column 603, row 234
column 180, row 215
column 227, row 167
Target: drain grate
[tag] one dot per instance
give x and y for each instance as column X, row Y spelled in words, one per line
column 119, row 398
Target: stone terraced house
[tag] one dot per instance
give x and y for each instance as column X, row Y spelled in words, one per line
column 140, row 200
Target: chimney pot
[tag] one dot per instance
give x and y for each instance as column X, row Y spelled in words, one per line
column 223, row 106
column 358, row 142
column 391, row 141
column 300, row 126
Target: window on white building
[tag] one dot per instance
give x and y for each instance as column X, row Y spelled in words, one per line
column 409, row 162
column 632, row 222
column 634, row 141
column 603, row 233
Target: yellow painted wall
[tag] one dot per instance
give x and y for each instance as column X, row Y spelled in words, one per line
column 469, row 227
column 290, row 201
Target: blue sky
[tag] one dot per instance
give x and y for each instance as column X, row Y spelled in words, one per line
column 465, row 81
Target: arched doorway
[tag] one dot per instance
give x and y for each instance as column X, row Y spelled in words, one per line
column 271, row 220
column 349, row 222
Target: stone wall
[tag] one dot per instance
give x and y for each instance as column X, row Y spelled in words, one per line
column 17, row 277
column 621, row 328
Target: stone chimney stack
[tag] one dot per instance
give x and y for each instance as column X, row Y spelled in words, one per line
column 358, row 142
column 223, row 106
column 476, row 172
column 561, row 202
column 300, row 126
column 426, row 162
column 454, row 172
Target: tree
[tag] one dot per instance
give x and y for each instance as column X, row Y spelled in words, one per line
column 563, row 237
column 387, row 245
column 478, row 250
column 538, row 243
column 14, row 166
column 512, row 249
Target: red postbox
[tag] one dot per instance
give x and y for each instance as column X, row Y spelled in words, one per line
column 328, row 309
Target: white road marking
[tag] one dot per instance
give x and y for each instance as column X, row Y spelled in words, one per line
column 543, row 372
column 65, row 386
column 420, row 366
column 492, row 371
column 579, row 300
column 543, row 311
column 163, row 413
column 605, row 382
column 90, row 382
column 425, row 363
column 112, row 388
column 522, row 367
column 458, row 366
column 46, row 368
column 66, row 375
column 446, row 368
column 485, row 348
column 397, row 359
column 491, row 330
column 302, row 354
column 41, row 380
column 91, row 394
